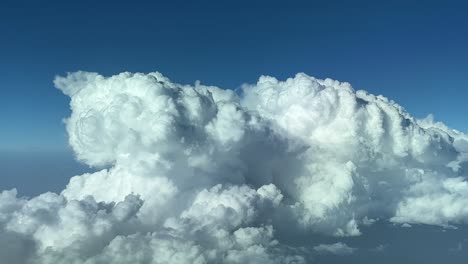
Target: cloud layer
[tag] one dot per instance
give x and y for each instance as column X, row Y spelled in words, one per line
column 198, row 174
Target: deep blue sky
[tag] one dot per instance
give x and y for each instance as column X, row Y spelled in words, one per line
column 415, row 53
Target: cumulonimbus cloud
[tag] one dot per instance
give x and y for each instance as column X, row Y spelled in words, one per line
column 198, row 174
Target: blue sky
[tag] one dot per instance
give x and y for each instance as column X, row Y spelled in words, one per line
column 412, row 53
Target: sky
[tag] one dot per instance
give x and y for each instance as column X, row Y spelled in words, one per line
column 387, row 177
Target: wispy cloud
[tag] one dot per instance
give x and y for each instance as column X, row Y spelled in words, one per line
column 335, row 249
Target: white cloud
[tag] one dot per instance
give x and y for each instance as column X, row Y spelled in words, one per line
column 335, row 249
column 198, row 174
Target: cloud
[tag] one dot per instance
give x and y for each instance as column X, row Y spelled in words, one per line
column 198, row 174
column 457, row 248
column 378, row 249
column 335, row 249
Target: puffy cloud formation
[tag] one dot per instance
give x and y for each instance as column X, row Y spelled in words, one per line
column 198, row 174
